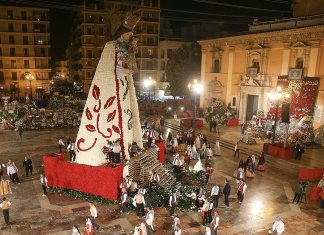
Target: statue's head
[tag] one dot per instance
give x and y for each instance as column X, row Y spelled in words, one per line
column 125, row 30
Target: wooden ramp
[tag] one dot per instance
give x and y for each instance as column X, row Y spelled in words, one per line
column 142, row 166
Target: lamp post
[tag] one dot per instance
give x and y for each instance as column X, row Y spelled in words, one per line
column 276, row 97
column 196, row 87
column 30, row 78
column 148, row 83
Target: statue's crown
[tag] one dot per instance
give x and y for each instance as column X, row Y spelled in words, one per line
column 131, row 20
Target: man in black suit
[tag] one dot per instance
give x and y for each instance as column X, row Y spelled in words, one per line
column 226, row 192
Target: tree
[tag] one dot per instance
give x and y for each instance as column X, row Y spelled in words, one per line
column 182, row 67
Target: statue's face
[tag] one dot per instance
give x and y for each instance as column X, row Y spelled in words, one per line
column 126, row 36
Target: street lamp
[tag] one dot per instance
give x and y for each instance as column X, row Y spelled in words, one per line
column 276, row 97
column 30, row 78
column 147, row 83
column 196, row 87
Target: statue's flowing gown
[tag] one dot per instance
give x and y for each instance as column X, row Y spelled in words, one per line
column 110, row 113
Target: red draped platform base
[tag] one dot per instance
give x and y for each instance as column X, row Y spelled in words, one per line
column 232, row 122
column 102, row 181
column 279, row 151
column 161, row 153
column 315, row 193
column 311, row 174
column 187, row 122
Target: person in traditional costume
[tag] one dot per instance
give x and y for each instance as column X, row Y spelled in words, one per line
column 198, row 143
column 12, row 172
column 5, row 205
column 217, row 151
column 241, row 191
column 209, row 151
column 321, row 182
column 123, row 200
column 177, row 164
column 261, row 162
column 94, row 215
column 215, row 195
column 175, row 145
column 43, row 181
column 199, row 166
column 139, row 203
column 111, row 110
column 155, row 179
column 2, row 169
column 249, row 173
column 203, row 151
column 204, row 211
column 150, row 137
column 176, row 227
column 88, row 230
column 195, row 153
column 200, row 198
column 116, row 152
column 75, row 230
column 215, row 223
column 226, row 192
column 278, row 226
column 188, row 157
column 173, row 202
column 150, row 219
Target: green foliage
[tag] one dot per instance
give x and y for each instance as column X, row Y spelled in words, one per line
column 182, row 67
column 79, row 195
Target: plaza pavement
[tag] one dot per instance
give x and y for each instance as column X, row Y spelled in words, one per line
column 269, row 194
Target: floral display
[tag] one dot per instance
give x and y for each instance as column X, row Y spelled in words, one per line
column 217, row 110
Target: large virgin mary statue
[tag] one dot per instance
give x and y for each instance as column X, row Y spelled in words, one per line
column 111, row 111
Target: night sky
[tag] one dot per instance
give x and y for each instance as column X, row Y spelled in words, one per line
column 234, row 15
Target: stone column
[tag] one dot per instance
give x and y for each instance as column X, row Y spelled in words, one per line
column 203, row 95
column 229, row 74
column 313, row 59
column 285, row 59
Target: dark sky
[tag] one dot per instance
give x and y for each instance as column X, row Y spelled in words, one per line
column 235, row 15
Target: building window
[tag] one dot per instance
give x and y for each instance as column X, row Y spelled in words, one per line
column 12, row 52
column 1, row 64
column 101, row 20
column 39, row 41
column 1, row 77
column 14, row 76
column 26, row 52
column 23, row 15
column 89, row 75
column 150, row 53
column 39, row 28
column 25, row 40
column 89, row 19
column 10, row 27
column 88, row 30
column 26, row 64
column 0, row 51
column 150, row 15
column 255, row 64
column 150, row 41
column 233, row 101
column 162, row 66
column 150, row 29
column 169, row 53
column 149, row 65
column 11, row 39
column 300, row 63
column 10, row 14
column 24, row 28
column 13, row 64
column 162, row 54
column 89, row 54
column 216, row 66
column 101, row 31
column 43, row 52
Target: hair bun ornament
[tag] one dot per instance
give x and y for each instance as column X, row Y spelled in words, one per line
column 131, row 20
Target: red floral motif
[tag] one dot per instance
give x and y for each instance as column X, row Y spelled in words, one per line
column 116, row 129
column 96, row 92
column 90, row 128
column 100, row 132
column 82, row 140
column 111, row 116
column 109, row 102
column 97, row 109
column 88, row 114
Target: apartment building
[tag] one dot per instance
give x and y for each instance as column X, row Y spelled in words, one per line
column 24, row 48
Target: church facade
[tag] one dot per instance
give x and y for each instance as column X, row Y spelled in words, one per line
column 241, row 70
